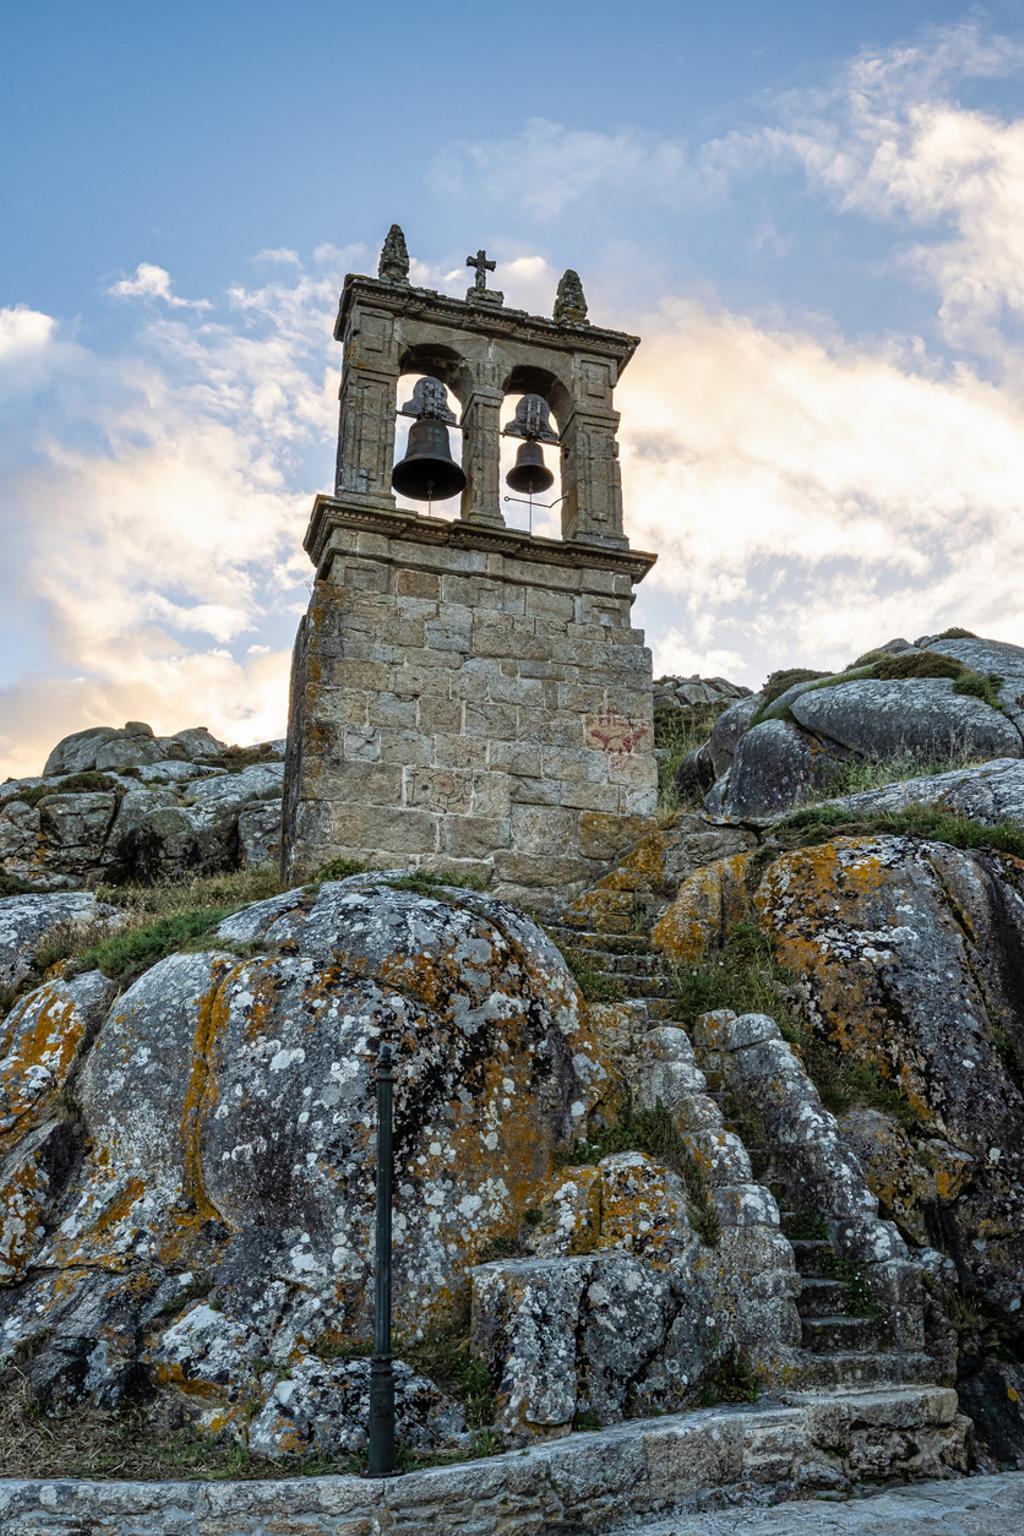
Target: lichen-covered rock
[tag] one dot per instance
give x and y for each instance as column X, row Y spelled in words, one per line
column 25, row 921
column 39, row 1040
column 325, row 1405
column 31, row 1177
column 917, row 715
column 910, row 706
column 127, row 806
column 104, row 747
column 218, row 1209
column 989, row 792
column 908, row 957
column 602, row 1335
column 902, row 1180
column 774, row 766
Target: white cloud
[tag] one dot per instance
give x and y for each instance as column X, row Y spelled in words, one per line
column 809, row 497
column 152, row 282
column 890, row 139
column 157, row 503
column 280, row 255
column 547, row 167
column 24, row 332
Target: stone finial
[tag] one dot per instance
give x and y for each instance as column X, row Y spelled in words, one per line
column 394, row 258
column 570, row 300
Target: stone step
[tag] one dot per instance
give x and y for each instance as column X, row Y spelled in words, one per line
column 839, row 1332
column 811, row 1255
column 598, row 914
column 858, row 1368
column 642, row 986
column 820, row 1298
column 633, row 965
column 586, row 938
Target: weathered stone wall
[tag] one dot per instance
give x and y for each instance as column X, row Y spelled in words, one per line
column 584, row 1482
column 470, row 699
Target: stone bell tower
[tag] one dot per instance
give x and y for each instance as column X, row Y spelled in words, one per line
column 467, row 696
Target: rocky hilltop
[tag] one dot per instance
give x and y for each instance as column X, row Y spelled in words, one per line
column 126, row 805
column 743, row 1118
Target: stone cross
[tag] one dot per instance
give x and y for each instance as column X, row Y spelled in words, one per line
column 480, row 293
column 483, row 266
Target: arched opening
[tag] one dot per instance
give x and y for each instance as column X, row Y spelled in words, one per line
column 444, row 435
column 539, row 513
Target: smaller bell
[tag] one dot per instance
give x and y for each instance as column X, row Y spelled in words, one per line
column 529, row 474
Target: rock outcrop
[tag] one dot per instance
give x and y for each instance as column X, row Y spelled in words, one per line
column 187, row 1176
column 121, row 805
column 946, row 700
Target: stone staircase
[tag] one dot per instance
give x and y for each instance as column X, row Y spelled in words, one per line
column 841, row 1349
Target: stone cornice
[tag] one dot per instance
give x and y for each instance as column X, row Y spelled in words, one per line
column 329, row 514
column 483, row 319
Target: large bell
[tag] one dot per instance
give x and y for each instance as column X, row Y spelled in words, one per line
column 428, row 472
column 529, row 474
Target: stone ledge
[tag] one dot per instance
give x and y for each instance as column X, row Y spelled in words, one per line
column 593, row 1480
column 440, row 533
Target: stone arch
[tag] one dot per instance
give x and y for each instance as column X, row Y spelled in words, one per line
column 528, row 379
column 442, row 362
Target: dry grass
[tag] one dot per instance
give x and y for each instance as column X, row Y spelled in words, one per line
column 98, row 1443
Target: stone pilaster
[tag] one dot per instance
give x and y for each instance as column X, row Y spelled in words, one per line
column 481, row 457
column 591, row 481
column 369, row 404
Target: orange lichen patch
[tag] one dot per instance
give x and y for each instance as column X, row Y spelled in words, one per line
column 22, row 1204
column 261, row 980
column 851, row 868
column 952, row 1169
column 171, row 1373
column 40, row 1056
column 201, row 1092
column 99, row 1218
column 638, row 1211
column 427, row 977
column 570, row 1207
column 709, row 903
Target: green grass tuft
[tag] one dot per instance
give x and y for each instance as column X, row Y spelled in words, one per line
column 678, row 731
column 732, row 1379
column 445, row 1357
column 980, row 685
column 429, row 881
column 858, row 1298
column 13, row 885
column 124, row 956
column 820, row 824
column 338, row 869
column 745, row 976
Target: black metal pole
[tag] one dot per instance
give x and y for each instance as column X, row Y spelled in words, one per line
column 382, row 1372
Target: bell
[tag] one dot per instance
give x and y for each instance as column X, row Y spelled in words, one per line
column 428, row 472
column 529, row 473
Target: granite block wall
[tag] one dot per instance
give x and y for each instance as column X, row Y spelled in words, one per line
column 469, row 701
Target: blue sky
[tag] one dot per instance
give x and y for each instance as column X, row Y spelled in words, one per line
column 813, row 214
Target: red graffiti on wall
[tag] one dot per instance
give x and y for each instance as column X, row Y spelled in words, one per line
column 619, row 734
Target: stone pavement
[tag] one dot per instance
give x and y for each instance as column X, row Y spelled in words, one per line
column 970, row 1506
